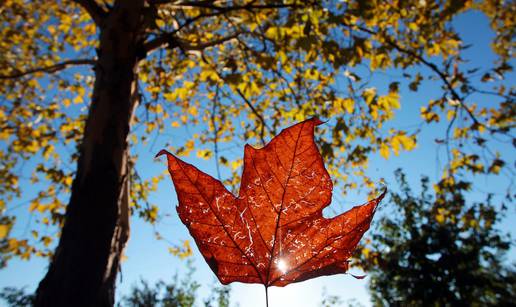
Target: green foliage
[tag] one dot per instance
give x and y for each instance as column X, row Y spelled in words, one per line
column 142, row 295
column 177, row 293
column 438, row 250
column 14, row 297
column 219, row 297
column 180, row 292
column 235, row 72
column 329, row 300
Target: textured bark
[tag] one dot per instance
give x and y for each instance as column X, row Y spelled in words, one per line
column 85, row 265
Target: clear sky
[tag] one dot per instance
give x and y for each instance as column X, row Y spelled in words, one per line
column 150, row 260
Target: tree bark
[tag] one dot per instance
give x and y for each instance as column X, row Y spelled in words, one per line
column 84, row 267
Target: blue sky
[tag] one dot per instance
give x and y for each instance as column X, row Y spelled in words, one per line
column 149, row 259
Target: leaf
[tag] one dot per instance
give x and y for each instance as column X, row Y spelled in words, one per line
column 274, row 232
column 384, row 151
column 4, row 231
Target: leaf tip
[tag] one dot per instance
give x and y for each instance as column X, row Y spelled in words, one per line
column 383, row 194
column 358, row 276
column 162, row 152
column 317, row 121
column 248, row 147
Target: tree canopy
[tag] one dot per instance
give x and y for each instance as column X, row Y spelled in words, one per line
column 237, row 71
column 438, row 250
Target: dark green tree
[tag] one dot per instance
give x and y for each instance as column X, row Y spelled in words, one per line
column 219, row 297
column 180, row 292
column 16, row 297
column 441, row 250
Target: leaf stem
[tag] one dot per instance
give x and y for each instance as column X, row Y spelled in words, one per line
column 266, row 296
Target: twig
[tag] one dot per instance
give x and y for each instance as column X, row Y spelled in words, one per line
column 49, row 69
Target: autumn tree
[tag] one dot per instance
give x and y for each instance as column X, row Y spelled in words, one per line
column 439, row 249
column 82, row 82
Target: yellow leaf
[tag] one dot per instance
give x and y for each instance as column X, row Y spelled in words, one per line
column 395, row 145
column 204, row 153
column 450, row 114
column 349, row 105
column 189, row 144
column 13, row 244
column 365, row 252
column 384, row 151
column 170, row 96
column 46, row 240
column 193, row 111
column 413, row 26
column 236, row 164
column 175, row 124
column 408, row 143
column 158, row 109
column 440, row 218
column 51, row 29
column 33, row 83
column 78, row 99
column 173, row 250
column 33, row 206
column 4, row 230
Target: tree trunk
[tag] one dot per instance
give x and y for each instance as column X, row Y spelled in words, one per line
column 85, row 265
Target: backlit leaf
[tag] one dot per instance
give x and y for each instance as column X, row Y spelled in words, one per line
column 273, row 232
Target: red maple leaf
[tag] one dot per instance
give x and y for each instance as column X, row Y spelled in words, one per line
column 274, row 232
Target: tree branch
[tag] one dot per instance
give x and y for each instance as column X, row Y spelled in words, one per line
column 170, row 40
column 434, row 68
column 94, row 10
column 246, row 101
column 201, row 46
column 210, row 4
column 257, row 114
column 249, row 6
column 49, row 69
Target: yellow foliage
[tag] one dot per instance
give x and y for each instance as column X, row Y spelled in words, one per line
column 345, row 104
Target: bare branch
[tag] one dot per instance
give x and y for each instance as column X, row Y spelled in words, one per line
column 257, row 114
column 49, row 69
column 94, row 10
column 246, row 101
column 216, row 130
